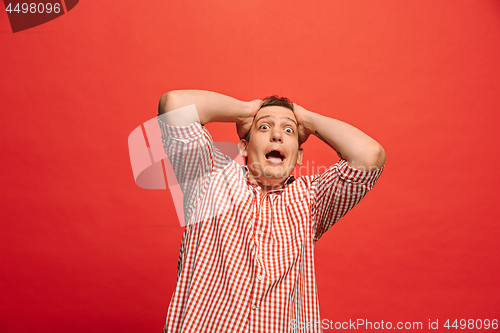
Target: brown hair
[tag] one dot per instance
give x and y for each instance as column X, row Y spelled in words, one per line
column 279, row 101
column 274, row 100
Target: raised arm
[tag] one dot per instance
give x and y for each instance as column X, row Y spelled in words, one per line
column 358, row 149
column 210, row 106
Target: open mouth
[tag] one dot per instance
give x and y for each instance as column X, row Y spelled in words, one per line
column 275, row 156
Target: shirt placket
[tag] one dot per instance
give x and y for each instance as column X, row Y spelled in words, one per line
column 260, row 227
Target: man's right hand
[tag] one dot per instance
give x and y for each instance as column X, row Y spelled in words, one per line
column 244, row 124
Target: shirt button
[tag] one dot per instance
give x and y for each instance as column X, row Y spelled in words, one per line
column 259, row 256
column 259, row 277
column 254, row 307
column 259, row 232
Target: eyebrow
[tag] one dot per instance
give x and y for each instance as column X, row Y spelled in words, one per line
column 271, row 116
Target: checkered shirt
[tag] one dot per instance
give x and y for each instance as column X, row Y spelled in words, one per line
column 246, row 260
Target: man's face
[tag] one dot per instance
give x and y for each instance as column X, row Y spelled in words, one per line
column 273, row 148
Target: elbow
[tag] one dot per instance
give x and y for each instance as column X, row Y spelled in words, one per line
column 168, row 102
column 377, row 157
column 370, row 158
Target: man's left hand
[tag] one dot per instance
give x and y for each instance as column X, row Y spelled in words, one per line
column 302, row 115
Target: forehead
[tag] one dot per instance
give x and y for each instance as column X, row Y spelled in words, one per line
column 275, row 111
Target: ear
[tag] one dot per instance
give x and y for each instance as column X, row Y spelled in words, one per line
column 242, row 147
column 300, row 154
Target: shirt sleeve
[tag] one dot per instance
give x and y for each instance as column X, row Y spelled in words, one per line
column 193, row 157
column 337, row 191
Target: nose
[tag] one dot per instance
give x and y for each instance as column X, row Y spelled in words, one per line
column 276, row 135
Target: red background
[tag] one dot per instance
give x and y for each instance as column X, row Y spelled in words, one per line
column 83, row 249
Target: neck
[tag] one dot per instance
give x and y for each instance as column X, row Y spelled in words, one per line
column 266, row 187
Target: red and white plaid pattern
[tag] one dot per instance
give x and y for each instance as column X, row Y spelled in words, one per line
column 246, row 260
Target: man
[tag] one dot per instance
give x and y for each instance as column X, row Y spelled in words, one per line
column 247, row 255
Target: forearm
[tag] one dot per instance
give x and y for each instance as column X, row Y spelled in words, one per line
column 210, row 106
column 358, row 149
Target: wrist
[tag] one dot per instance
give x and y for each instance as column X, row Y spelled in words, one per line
column 248, row 108
column 308, row 121
column 241, row 113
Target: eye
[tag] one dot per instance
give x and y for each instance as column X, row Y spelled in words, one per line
column 264, row 127
column 289, row 130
